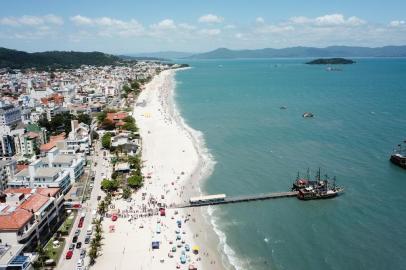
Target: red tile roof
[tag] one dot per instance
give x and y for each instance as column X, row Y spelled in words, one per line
column 14, row 220
column 43, row 191
column 116, row 116
column 34, row 202
column 52, row 142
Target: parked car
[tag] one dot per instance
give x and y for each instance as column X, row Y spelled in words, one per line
column 77, row 232
column 78, row 245
column 114, row 217
column 69, row 254
column 87, row 239
column 98, row 198
column 82, row 253
column 71, row 247
column 81, row 220
column 75, row 239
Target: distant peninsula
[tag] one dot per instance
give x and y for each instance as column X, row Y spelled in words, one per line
column 331, row 61
column 300, row 52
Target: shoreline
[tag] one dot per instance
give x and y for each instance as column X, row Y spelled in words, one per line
column 193, row 185
column 174, row 165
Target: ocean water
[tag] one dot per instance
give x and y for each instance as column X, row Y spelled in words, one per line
column 360, row 115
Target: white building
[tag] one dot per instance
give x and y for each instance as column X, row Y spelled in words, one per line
column 9, row 115
column 7, row 169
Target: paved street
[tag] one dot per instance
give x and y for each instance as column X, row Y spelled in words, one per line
column 102, row 169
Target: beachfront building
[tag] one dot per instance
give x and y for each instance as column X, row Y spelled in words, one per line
column 54, row 170
column 7, row 170
column 28, row 217
column 38, row 175
column 74, row 164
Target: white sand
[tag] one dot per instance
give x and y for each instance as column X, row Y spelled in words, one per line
column 172, row 160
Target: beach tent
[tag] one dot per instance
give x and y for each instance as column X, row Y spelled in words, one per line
column 155, row 245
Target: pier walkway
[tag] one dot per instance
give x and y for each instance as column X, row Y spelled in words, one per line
column 237, row 199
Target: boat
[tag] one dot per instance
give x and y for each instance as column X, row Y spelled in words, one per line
column 302, row 182
column 398, row 156
column 315, row 189
column 308, row 115
column 320, row 191
column 305, row 181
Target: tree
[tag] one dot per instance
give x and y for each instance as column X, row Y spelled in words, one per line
column 126, row 193
column 107, row 124
column 135, row 85
column 106, row 140
column 109, row 185
column 84, row 118
column 135, row 181
column 101, row 116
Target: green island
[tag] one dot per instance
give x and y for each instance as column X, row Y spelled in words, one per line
column 331, row 61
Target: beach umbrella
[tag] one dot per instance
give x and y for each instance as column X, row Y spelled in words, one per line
column 195, row 249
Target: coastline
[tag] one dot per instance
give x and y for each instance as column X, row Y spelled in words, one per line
column 174, row 163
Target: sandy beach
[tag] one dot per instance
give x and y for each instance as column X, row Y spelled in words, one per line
column 173, row 163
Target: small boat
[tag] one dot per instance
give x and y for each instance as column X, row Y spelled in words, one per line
column 283, row 107
column 398, row 156
column 308, row 115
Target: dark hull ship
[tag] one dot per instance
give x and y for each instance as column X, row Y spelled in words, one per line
column 316, row 189
column 399, row 156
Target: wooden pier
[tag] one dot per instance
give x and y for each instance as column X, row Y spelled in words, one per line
column 237, row 199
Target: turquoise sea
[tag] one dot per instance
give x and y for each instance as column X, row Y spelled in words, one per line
column 360, row 115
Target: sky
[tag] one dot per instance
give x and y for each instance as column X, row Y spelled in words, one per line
column 134, row 26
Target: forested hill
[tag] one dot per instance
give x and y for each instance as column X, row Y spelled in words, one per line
column 53, row 59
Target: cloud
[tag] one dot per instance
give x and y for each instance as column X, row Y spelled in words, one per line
column 32, row 21
column 230, row 26
column 328, row 20
column 259, row 20
column 81, row 20
column 109, row 27
column 166, row 24
column 211, row 18
column 397, row 23
column 210, row 32
column 186, row 26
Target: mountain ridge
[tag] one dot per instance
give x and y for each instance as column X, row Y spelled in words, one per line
column 53, row 59
column 300, row 51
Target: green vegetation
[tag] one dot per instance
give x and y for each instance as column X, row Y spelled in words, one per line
column 106, row 140
column 331, row 61
column 58, row 124
column 95, row 244
column 101, row 116
column 54, row 59
column 135, row 181
column 129, row 124
column 126, row 193
column 61, row 122
column 110, row 185
column 84, row 118
column 54, row 253
column 67, row 225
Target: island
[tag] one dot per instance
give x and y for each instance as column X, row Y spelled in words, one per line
column 331, row 61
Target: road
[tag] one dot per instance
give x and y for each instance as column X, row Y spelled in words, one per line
column 102, row 169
